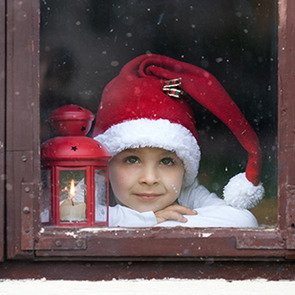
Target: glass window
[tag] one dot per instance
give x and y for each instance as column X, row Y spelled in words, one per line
column 84, row 44
column 45, row 205
column 100, row 196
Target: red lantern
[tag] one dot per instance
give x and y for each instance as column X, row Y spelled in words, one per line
column 75, row 173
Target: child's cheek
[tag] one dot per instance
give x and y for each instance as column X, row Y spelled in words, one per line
column 175, row 189
column 176, row 181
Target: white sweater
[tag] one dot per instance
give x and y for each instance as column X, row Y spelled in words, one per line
column 212, row 212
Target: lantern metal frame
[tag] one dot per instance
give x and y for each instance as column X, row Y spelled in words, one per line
column 73, row 151
column 90, row 192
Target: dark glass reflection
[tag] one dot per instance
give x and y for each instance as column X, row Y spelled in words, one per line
column 84, row 43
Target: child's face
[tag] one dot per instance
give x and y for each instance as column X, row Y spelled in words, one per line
column 146, row 179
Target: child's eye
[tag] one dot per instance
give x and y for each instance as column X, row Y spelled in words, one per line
column 132, row 160
column 167, row 161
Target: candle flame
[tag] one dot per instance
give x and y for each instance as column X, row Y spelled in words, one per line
column 72, row 188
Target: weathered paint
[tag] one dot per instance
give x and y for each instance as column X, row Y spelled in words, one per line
column 179, row 244
column 2, row 125
column 95, row 271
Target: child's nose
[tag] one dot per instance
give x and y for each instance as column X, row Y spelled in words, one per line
column 149, row 175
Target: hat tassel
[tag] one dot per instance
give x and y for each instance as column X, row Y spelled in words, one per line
column 241, row 193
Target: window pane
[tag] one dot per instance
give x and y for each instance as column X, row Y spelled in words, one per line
column 85, row 43
column 100, row 196
column 45, row 209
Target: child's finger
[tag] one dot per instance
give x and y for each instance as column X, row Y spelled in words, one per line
column 174, row 215
column 169, row 215
column 183, row 210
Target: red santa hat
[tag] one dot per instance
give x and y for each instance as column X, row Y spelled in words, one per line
column 147, row 105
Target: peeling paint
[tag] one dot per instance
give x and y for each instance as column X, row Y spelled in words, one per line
column 72, row 234
column 104, row 229
column 203, row 235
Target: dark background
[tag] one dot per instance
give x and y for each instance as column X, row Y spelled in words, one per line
column 84, row 44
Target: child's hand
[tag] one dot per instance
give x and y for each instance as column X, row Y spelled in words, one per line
column 174, row 212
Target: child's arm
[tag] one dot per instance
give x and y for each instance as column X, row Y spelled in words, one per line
column 209, row 216
column 217, row 216
column 126, row 217
column 174, row 212
column 212, row 211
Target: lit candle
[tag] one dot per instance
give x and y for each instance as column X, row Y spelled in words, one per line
column 72, row 192
column 72, row 209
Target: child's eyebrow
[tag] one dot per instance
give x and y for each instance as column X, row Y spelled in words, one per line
column 168, row 153
column 162, row 154
column 133, row 151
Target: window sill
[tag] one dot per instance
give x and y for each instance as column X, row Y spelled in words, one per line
column 160, row 243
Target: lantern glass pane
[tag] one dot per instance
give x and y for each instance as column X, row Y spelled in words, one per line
column 100, row 196
column 72, row 192
column 45, row 206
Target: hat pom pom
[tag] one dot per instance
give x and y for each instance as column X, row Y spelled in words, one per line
column 241, row 193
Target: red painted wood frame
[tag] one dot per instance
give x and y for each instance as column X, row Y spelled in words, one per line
column 26, row 237
column 2, row 124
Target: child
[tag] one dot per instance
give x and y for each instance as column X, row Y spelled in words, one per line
column 146, row 122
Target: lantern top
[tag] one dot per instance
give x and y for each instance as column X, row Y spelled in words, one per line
column 74, row 150
column 71, row 120
column 72, row 147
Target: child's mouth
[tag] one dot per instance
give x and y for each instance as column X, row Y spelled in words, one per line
column 148, row 196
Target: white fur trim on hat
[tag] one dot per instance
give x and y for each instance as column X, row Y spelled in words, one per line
column 241, row 193
column 155, row 133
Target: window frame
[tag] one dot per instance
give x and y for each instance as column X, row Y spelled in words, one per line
column 26, row 237
column 2, row 125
